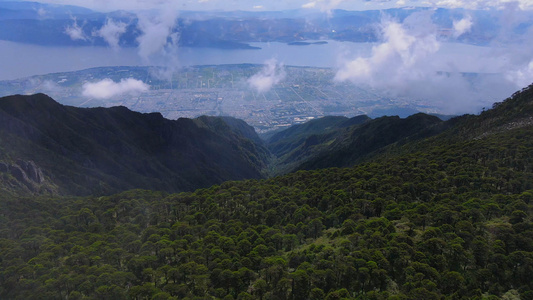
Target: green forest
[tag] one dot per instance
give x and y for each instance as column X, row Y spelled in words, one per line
column 444, row 217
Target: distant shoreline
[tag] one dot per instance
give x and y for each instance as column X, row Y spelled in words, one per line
column 307, row 43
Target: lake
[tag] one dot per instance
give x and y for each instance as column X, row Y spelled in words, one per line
column 22, row 60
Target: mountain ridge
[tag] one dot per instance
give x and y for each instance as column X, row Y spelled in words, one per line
column 105, row 150
column 109, row 143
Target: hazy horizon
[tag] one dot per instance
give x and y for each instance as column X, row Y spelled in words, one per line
column 416, row 54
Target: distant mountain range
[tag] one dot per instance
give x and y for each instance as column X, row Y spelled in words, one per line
column 44, row 24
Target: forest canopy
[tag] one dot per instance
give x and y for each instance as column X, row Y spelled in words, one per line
column 444, row 217
column 451, row 221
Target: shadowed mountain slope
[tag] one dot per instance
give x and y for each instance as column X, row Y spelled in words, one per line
column 103, row 150
column 342, row 142
column 339, row 142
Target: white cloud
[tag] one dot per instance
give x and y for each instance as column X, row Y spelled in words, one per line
column 107, row 88
column 50, row 86
column 111, row 32
column 514, row 50
column 42, row 12
column 271, row 74
column 309, row 5
column 462, row 26
column 258, row 6
column 325, row 5
column 402, row 56
column 157, row 33
column 406, row 64
column 522, row 77
column 482, row 4
column 75, row 32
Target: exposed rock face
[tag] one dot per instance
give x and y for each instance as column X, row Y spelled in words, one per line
column 32, row 171
column 17, row 172
column 25, row 172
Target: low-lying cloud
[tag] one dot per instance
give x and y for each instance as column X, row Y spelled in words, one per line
column 404, row 55
column 462, row 26
column 75, row 32
column 271, row 74
column 466, row 4
column 157, row 33
column 111, row 32
column 159, row 41
column 107, row 88
column 408, row 64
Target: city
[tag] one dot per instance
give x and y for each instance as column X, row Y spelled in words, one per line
column 304, row 93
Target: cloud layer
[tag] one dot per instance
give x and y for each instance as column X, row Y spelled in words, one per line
column 107, row 88
column 75, row 32
column 403, row 56
column 271, row 74
column 408, row 64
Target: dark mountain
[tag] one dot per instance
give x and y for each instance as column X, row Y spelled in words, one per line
column 300, row 142
column 332, row 142
column 315, row 126
column 342, row 142
column 402, row 112
column 51, row 148
column 361, row 142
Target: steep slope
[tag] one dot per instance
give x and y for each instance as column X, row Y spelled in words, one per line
column 342, row 142
column 515, row 112
column 445, row 217
column 102, row 150
column 287, row 140
column 298, row 143
column 327, row 144
column 361, row 142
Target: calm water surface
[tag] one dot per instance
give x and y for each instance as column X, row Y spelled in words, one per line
column 21, row 60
